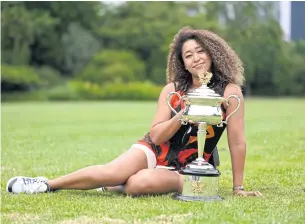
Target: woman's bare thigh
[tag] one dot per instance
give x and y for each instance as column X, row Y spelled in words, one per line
column 129, row 163
column 154, row 181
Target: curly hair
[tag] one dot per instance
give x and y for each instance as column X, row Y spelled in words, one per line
column 226, row 65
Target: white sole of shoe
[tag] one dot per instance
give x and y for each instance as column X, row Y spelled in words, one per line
column 9, row 182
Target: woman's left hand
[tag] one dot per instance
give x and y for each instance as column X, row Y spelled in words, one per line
column 248, row 193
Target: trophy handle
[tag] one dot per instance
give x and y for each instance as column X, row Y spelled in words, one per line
column 227, row 102
column 168, row 100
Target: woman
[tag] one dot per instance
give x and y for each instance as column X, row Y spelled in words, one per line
column 169, row 143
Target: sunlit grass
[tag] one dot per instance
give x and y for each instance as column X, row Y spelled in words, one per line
column 52, row 139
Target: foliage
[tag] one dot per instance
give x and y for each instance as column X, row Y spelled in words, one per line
column 18, row 78
column 269, row 61
column 112, row 65
column 105, row 42
column 24, row 78
column 29, row 96
column 79, row 46
column 78, row 90
column 48, row 76
column 63, row 93
column 298, row 58
column 148, row 29
column 111, row 91
column 36, row 30
column 20, row 27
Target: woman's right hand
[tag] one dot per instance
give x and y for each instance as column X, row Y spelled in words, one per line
column 180, row 116
column 248, row 193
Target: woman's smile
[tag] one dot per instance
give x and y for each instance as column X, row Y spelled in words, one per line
column 198, row 65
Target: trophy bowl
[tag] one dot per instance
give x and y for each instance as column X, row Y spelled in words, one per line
column 203, row 106
column 210, row 114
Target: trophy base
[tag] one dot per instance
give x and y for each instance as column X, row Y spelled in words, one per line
column 201, row 182
column 198, row 198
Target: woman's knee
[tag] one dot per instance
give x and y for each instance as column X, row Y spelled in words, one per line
column 140, row 183
column 154, row 181
column 123, row 167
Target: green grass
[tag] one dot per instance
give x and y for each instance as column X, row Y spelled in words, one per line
column 52, row 139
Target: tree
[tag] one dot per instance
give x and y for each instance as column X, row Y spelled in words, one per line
column 257, row 38
column 33, row 31
column 20, row 28
column 79, row 46
column 147, row 28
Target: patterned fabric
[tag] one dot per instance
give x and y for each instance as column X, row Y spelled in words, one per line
column 182, row 147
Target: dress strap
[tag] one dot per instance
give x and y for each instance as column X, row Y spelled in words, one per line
column 175, row 86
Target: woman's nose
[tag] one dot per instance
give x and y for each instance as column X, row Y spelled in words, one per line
column 196, row 57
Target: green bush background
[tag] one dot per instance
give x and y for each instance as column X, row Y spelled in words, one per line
column 98, row 51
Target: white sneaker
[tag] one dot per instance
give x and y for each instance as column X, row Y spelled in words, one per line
column 101, row 189
column 27, row 185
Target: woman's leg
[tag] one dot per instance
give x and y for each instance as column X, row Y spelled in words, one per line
column 114, row 173
column 151, row 181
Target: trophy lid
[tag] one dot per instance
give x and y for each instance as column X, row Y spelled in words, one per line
column 204, row 91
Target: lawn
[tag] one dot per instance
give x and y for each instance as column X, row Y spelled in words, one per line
column 52, row 139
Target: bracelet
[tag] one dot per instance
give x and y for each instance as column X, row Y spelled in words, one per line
column 238, row 188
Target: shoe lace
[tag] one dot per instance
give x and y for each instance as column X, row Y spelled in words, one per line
column 32, row 185
column 102, row 189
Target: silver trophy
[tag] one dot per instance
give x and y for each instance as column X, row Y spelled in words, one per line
column 201, row 179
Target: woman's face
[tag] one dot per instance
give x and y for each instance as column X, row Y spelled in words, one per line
column 196, row 58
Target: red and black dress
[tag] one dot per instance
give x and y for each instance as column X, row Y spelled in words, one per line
column 182, row 147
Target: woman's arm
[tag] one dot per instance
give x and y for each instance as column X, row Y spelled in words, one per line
column 237, row 140
column 163, row 127
column 236, row 134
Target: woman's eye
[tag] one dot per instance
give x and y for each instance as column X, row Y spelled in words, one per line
column 188, row 56
column 201, row 51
